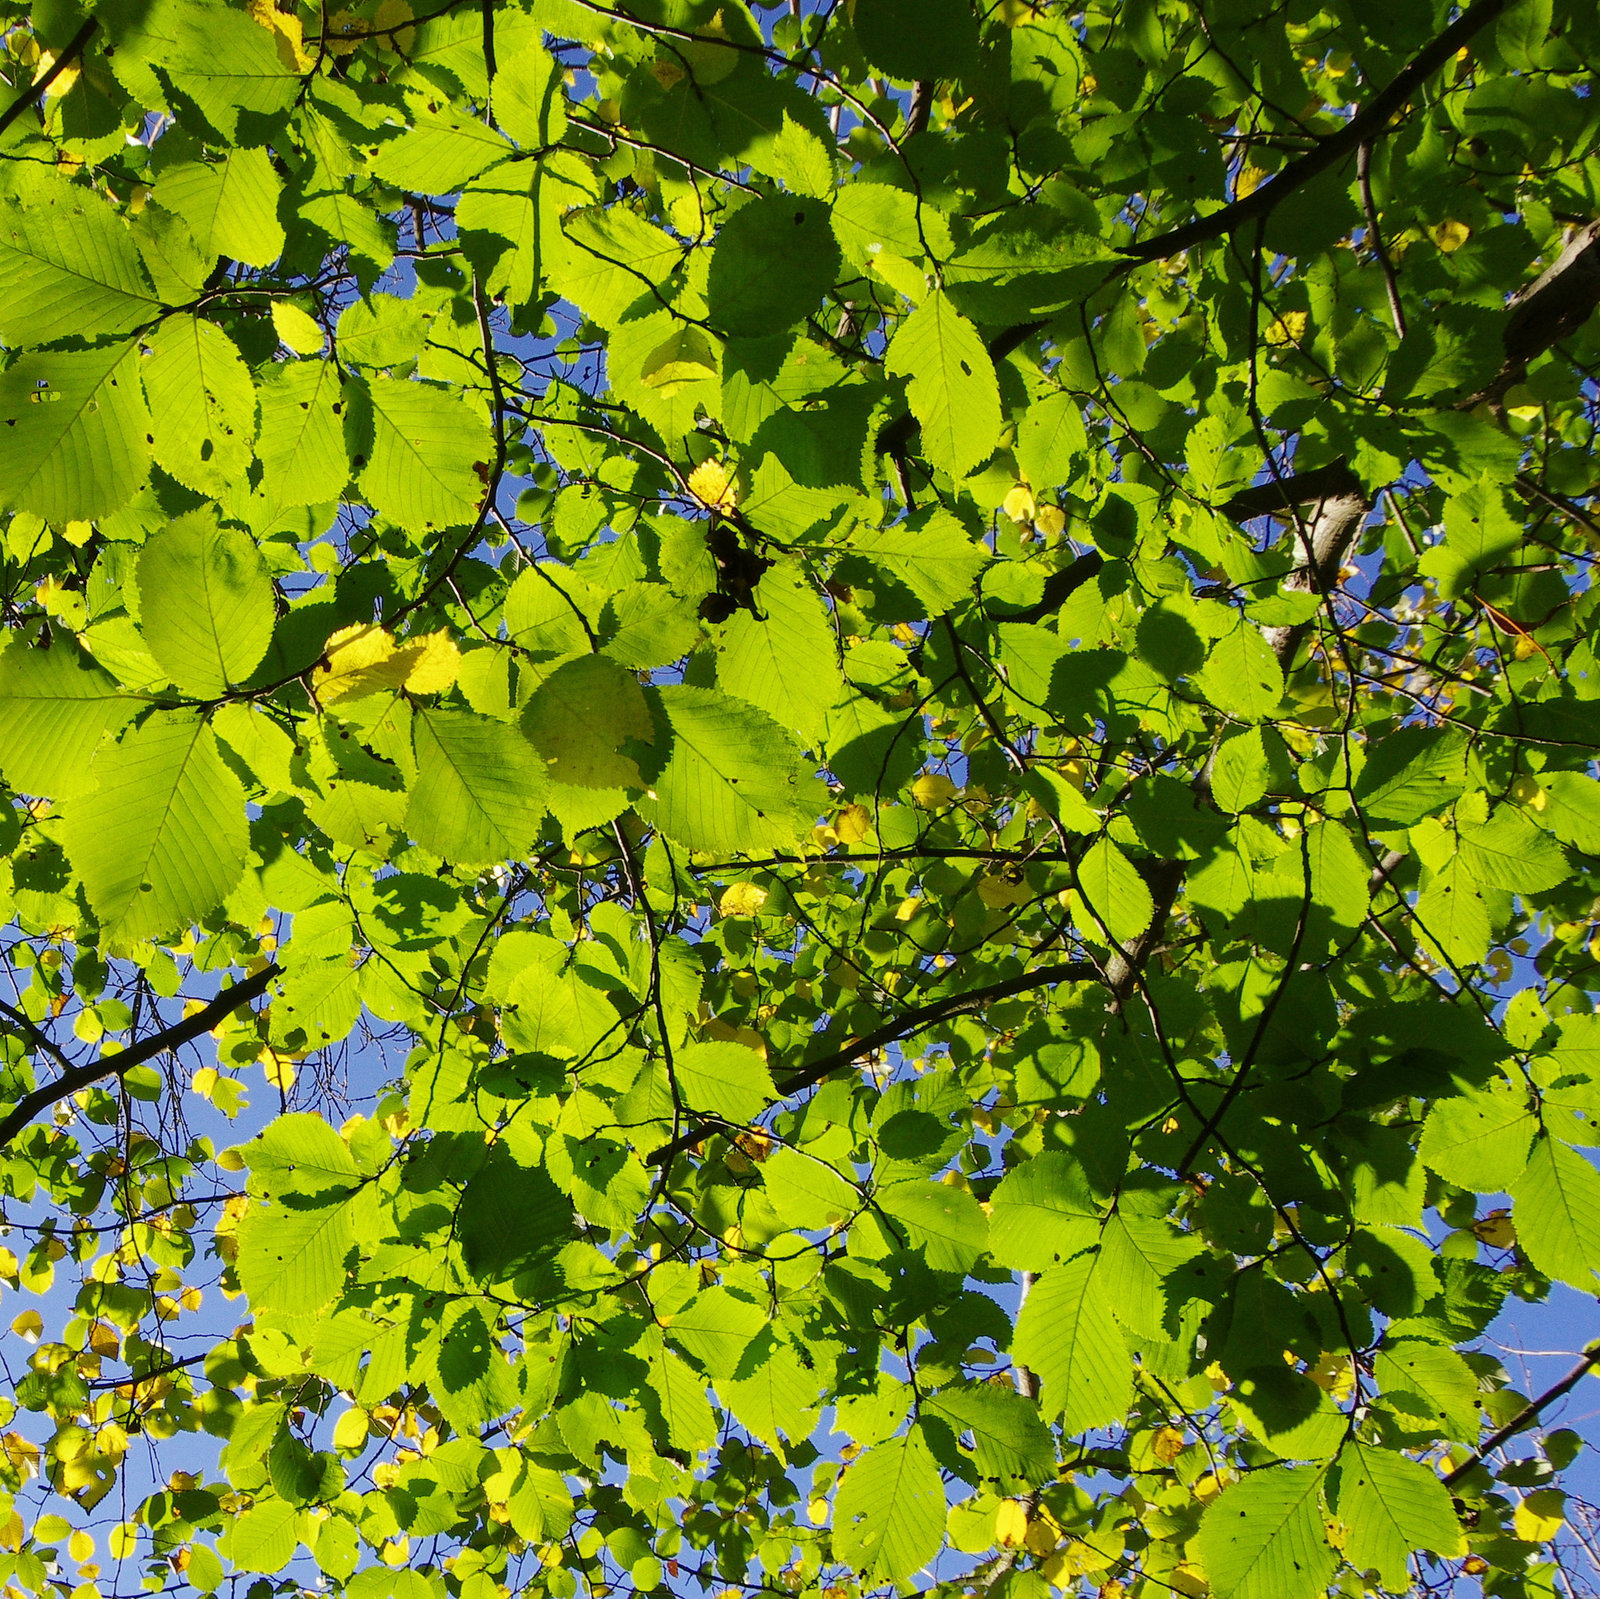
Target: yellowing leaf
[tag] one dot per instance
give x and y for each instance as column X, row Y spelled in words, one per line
column 1496, row 1229
column 742, row 899
column 280, row 1069
column 1248, row 181
column 359, row 659
column 1018, row 503
column 1010, row 1523
column 852, row 824
column 1450, row 235
column 933, row 790
column 997, row 890
column 1289, row 328
column 1050, row 520
column 1540, row 1515
column 81, row 1545
column 122, row 1540
column 434, row 663
column 28, row 1325
column 711, row 483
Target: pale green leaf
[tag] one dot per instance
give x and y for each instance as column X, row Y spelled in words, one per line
column 1479, row 1140
column 773, row 262
column 55, row 707
column 931, row 553
column 69, row 265
column 888, row 1519
column 292, row 1254
column 230, row 204
column 946, row 1226
column 73, row 432
column 1116, row 893
column 784, row 660
column 299, row 1154
column 1042, row 1213
column 427, row 465
column 1557, row 1214
column 1241, row 675
column 952, row 388
column 1067, row 1336
column 160, row 840
column 590, row 722
column 480, row 790
column 302, row 446
column 1391, row 1507
column 1264, row 1538
column 731, row 780
column 205, row 602
column 725, row 1079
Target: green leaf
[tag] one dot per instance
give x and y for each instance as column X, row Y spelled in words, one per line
column 715, row 1328
column 202, row 404
column 888, row 1519
column 427, row 465
column 1011, row 1444
column 946, row 1226
column 230, row 204
column 206, row 602
column 1508, row 851
column 265, row 1536
column 918, row 38
column 160, row 840
column 292, row 1255
column 1412, row 773
column 723, row 1079
column 301, row 446
column 930, row 552
column 590, row 722
column 471, row 1380
column 731, row 779
column 1263, row 1537
column 301, row 1155
column 69, row 265
column 1068, row 1336
column 1479, row 1140
column 1241, row 675
column 952, row 389
column 1391, row 1506
column 1043, row 1214
column 783, row 661
column 527, row 100
column 1116, row 892
column 73, row 432
column 773, row 262
column 55, row 707
column 807, row 1192
column 1557, row 1214
column 479, row 794
column 1051, row 442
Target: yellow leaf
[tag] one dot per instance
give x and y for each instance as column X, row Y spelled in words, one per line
column 1541, row 1515
column 81, row 1546
column 1289, row 328
column 391, row 15
column 204, row 1081
column 279, row 1069
column 933, row 790
column 997, row 890
column 1018, row 503
column 350, row 1431
column 711, row 483
column 742, row 899
column 1039, row 1537
column 296, row 328
column 105, row 1341
column 1167, row 1445
column 1010, row 1523
column 11, row 1532
column 434, row 662
column 1450, row 235
column 359, row 659
column 1050, row 520
column 122, row 1540
column 28, row 1325
column 1207, row 1488
column 852, row 824
column 1248, row 181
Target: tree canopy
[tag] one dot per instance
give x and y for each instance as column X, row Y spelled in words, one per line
column 799, row 797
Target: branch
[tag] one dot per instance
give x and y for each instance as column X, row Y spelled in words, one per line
column 31, row 94
column 1059, row 587
column 1283, row 494
column 1368, row 123
column 191, row 1027
column 902, row 1027
column 1525, row 1417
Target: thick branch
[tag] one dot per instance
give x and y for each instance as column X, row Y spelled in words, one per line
column 1059, row 587
column 1368, row 123
column 191, row 1027
column 893, row 1032
column 40, row 84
